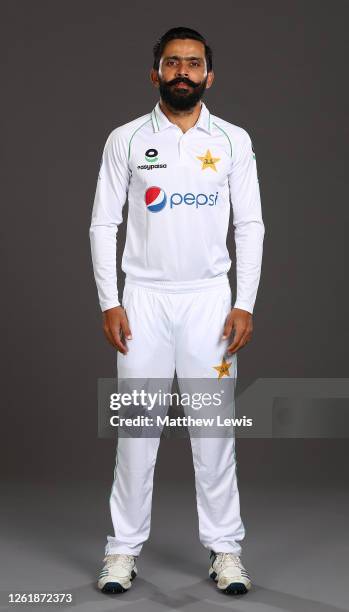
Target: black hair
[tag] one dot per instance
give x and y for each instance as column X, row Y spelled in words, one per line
column 182, row 33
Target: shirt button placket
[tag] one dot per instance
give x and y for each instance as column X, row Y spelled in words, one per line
column 179, row 146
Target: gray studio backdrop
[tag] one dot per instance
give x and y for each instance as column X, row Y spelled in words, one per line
column 73, row 71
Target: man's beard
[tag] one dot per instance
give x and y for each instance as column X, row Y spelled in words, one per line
column 180, row 98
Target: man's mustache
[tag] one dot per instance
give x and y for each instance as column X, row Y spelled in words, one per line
column 182, row 80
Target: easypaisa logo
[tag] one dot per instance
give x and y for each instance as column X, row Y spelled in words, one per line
column 151, row 156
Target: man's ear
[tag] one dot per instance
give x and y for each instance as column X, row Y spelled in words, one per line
column 154, row 77
column 210, row 79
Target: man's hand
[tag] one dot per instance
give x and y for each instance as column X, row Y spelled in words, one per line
column 116, row 328
column 241, row 322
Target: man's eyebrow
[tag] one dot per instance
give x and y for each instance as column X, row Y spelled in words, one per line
column 192, row 57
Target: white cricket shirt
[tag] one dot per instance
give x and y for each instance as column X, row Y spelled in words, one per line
column 180, row 189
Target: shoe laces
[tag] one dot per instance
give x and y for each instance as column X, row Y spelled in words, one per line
column 121, row 559
column 230, row 557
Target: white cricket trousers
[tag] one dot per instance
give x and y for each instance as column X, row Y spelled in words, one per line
column 176, row 327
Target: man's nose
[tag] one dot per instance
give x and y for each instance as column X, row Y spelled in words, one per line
column 182, row 70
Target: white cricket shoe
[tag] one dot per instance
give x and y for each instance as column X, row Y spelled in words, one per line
column 229, row 573
column 117, row 574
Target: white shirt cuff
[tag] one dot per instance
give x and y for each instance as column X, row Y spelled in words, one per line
column 243, row 306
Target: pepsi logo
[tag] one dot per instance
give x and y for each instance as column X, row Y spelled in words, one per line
column 155, row 199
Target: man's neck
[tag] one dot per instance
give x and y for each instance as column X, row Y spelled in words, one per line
column 185, row 119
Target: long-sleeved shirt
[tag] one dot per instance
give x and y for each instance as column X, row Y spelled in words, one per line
column 180, row 189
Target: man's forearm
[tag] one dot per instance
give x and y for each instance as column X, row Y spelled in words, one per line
column 249, row 250
column 103, row 240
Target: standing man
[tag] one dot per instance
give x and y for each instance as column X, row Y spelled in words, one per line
column 182, row 169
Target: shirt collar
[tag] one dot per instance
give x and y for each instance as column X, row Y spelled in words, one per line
column 161, row 122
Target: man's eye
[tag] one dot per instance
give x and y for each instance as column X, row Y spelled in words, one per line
column 194, row 64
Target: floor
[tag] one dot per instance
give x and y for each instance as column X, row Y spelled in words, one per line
column 296, row 548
